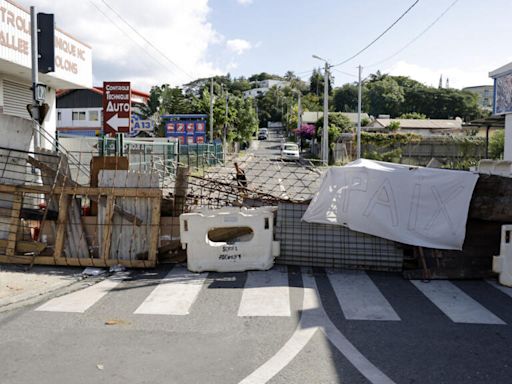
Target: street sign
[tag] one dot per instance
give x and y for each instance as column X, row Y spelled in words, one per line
column 116, row 106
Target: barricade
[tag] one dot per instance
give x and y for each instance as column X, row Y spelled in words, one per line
column 229, row 239
column 495, row 167
column 502, row 264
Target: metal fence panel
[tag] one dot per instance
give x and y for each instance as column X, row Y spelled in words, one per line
column 334, row 246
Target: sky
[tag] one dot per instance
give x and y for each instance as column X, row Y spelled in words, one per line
column 156, row 42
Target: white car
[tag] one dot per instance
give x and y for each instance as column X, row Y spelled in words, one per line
column 290, row 151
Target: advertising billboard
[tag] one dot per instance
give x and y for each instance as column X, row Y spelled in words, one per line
column 503, row 94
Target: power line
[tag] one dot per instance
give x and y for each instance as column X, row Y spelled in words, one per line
column 147, row 41
column 345, row 73
column 416, row 38
column 378, row 37
column 128, row 36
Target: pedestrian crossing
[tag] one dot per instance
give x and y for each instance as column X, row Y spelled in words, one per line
column 175, row 295
column 267, row 294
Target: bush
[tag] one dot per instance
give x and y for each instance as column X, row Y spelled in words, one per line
column 497, row 144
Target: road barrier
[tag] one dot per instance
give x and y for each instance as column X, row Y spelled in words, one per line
column 502, row 264
column 229, row 239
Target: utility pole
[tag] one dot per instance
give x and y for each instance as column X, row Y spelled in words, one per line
column 224, row 138
column 359, row 114
column 211, row 111
column 325, row 133
column 35, row 79
column 299, row 114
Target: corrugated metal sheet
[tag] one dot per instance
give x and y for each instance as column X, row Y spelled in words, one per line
column 322, row 245
column 16, row 98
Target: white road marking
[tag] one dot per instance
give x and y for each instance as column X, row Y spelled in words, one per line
column 266, row 293
column 80, row 301
column 313, row 319
column 359, row 297
column 455, row 303
column 175, row 294
column 506, row 290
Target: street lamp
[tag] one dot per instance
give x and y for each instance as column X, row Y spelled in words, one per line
column 325, row 133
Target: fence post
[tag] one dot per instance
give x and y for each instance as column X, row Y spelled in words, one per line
column 101, row 142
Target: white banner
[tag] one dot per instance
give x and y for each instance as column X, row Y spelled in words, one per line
column 426, row 207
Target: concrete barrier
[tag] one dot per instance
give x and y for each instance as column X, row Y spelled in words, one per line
column 248, row 243
column 502, row 264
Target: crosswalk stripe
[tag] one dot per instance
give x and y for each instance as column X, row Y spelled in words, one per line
column 266, row 293
column 359, row 297
column 175, row 294
column 82, row 300
column 506, row 290
column 455, row 303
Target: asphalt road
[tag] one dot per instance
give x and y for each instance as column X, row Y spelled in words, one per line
column 267, row 173
column 286, row 325
column 280, row 326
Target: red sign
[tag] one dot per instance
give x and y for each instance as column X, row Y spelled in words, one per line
column 190, row 140
column 200, row 127
column 200, row 140
column 117, row 109
column 182, row 139
column 170, row 127
column 190, row 127
column 180, row 127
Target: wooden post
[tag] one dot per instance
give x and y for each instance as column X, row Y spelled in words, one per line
column 155, row 230
column 13, row 226
column 107, row 230
column 61, row 225
column 180, row 190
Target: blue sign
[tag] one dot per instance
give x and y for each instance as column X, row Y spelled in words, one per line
column 140, row 125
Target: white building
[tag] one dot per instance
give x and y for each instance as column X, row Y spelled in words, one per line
column 73, row 65
column 264, row 86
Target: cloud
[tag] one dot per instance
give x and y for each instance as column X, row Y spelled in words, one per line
column 244, row 2
column 239, row 46
column 180, row 29
column 460, row 77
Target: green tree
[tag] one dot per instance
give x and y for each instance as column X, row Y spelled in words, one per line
column 345, row 98
column 413, row 115
column 394, row 126
column 338, row 124
column 316, row 83
column 497, row 144
column 385, row 96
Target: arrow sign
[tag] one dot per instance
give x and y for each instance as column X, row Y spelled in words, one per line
column 117, row 112
column 115, row 122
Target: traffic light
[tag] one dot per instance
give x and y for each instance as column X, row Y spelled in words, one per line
column 46, row 42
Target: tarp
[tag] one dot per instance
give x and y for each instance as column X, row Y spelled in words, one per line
column 419, row 206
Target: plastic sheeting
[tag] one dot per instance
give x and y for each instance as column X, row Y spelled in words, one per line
column 413, row 205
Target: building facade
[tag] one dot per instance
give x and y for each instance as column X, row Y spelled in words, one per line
column 73, row 66
column 485, row 95
column 264, row 86
column 80, row 111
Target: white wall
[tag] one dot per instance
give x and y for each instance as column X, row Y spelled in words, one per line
column 68, row 122
column 508, row 137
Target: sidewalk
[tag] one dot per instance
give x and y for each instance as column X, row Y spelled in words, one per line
column 19, row 284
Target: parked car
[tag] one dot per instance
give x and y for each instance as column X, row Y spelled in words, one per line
column 263, row 134
column 290, row 151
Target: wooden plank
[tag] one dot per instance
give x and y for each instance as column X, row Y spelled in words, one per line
column 99, row 163
column 107, row 228
column 155, row 229
column 61, row 225
column 25, row 246
column 13, row 226
column 80, row 190
column 74, row 262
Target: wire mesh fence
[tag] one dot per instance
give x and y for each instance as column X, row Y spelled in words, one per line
column 332, row 246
